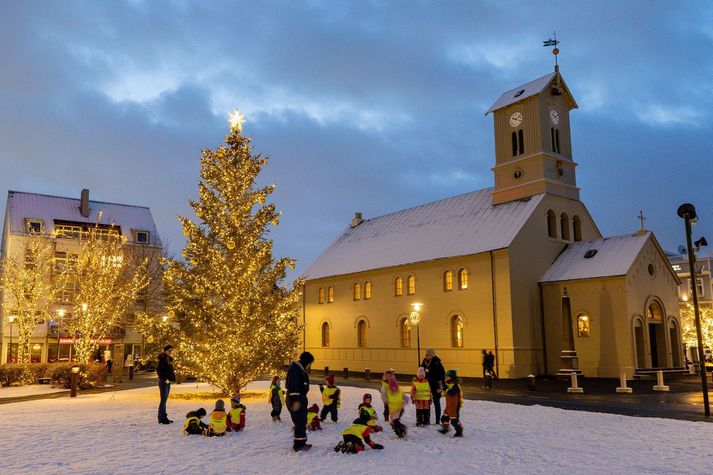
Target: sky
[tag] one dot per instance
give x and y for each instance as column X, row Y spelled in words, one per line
column 367, row 106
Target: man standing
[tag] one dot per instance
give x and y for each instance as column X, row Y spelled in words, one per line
column 297, row 387
column 436, row 375
column 165, row 373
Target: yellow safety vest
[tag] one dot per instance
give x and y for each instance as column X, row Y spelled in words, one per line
column 188, row 422
column 423, row 390
column 356, row 430
column 327, row 396
column 235, row 415
column 280, row 392
column 460, row 393
column 218, row 421
column 310, row 417
column 372, row 415
column 396, row 402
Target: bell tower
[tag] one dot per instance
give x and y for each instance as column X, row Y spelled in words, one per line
column 533, row 147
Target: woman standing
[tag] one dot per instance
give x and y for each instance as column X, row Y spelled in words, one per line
column 436, row 375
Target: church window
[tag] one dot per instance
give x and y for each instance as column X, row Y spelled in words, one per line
column 361, row 334
column 367, row 290
column 463, row 279
column 357, row 291
column 457, row 331
column 564, row 224
column 405, row 331
column 321, row 295
column 551, row 224
column 577, row 228
column 447, row 281
column 330, row 295
column 583, row 325
column 410, row 285
column 557, row 140
column 399, row 286
column 514, row 144
column 521, row 142
column 325, row 334
column 654, row 312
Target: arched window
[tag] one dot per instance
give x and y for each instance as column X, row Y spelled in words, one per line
column 577, row 228
column 557, row 140
column 367, row 290
column 325, row 334
column 654, row 312
column 514, row 144
column 555, row 136
column 399, row 286
column 321, row 295
column 583, row 325
column 564, row 225
column 447, row 281
column 361, row 334
column 521, row 142
column 456, row 331
column 551, row 224
column 357, row 291
column 410, row 285
column 463, row 279
column 405, row 330
column 330, row 294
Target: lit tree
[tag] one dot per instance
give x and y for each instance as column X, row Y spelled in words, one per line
column 688, row 324
column 239, row 321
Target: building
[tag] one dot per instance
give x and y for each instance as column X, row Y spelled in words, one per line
column 704, row 283
column 492, row 269
column 65, row 221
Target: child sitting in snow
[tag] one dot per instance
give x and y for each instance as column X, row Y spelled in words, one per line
column 313, row 420
column 454, row 401
column 218, row 420
column 397, row 400
column 193, row 424
column 367, row 411
column 355, row 436
column 330, row 399
column 236, row 415
column 276, row 398
column 421, row 397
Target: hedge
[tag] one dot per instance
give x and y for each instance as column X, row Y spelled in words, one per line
column 90, row 375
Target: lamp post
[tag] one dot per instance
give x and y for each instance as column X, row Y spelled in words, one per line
column 415, row 318
column 73, row 387
column 10, row 319
column 688, row 212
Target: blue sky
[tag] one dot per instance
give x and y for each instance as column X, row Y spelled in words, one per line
column 362, row 106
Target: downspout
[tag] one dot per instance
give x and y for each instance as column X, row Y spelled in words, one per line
column 304, row 319
column 495, row 313
column 542, row 315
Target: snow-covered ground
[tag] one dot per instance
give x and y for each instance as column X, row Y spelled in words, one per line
column 117, row 432
column 29, row 390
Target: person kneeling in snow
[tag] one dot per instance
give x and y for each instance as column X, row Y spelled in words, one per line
column 367, row 410
column 397, row 401
column 236, row 415
column 218, row 420
column 454, row 401
column 313, row 420
column 355, row 436
column 193, row 424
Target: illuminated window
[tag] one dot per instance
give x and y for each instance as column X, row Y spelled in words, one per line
column 457, row 331
column 551, row 224
column 357, row 291
column 367, row 290
column 447, row 281
column 583, row 325
column 325, row 334
column 65, row 261
column 34, row 226
column 654, row 312
column 564, row 225
column 399, row 286
column 463, row 279
column 577, row 228
column 405, row 329
column 410, row 285
column 321, row 295
column 361, row 334
column 67, row 231
column 330, row 294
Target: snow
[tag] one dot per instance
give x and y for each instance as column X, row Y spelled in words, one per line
column 29, row 390
column 117, row 433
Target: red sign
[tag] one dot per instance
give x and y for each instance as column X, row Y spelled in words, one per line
column 70, row 341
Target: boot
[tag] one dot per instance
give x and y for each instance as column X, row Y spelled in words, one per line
column 459, row 429
column 445, row 428
column 427, row 417
column 339, row 447
column 419, row 417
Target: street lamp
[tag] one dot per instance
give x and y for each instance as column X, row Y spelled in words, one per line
column 415, row 318
column 10, row 319
column 688, row 212
column 73, row 387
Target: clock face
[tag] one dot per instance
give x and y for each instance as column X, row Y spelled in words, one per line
column 515, row 119
column 554, row 117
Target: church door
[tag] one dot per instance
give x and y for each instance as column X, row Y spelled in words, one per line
column 640, row 345
column 653, row 346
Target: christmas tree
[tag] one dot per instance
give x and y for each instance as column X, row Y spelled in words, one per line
column 238, row 320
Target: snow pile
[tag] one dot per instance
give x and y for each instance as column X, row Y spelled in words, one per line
column 118, row 433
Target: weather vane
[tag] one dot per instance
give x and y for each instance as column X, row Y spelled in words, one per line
column 553, row 42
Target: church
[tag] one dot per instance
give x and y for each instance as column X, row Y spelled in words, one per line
column 520, row 269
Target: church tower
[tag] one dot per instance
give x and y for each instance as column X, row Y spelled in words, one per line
column 533, row 147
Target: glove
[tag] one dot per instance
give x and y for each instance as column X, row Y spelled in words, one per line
column 377, row 447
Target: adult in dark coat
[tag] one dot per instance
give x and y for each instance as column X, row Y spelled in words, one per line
column 297, row 387
column 165, row 373
column 436, row 376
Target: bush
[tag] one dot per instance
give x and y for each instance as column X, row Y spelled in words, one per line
column 90, row 375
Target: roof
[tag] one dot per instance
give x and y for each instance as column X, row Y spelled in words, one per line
column 49, row 208
column 461, row 225
column 614, row 257
column 528, row 90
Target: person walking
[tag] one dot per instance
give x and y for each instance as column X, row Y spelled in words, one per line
column 129, row 363
column 436, row 376
column 165, row 373
column 297, row 387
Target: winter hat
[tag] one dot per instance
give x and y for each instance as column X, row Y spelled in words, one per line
column 452, row 373
column 306, row 359
column 167, row 347
column 314, row 408
column 330, row 379
column 219, row 405
column 366, row 396
column 201, row 412
column 393, row 385
column 421, row 373
column 235, row 398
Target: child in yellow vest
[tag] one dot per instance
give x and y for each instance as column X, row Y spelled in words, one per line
column 193, row 424
column 367, row 411
column 313, row 420
column 454, row 401
column 397, row 400
column 218, row 420
column 355, row 436
column 421, row 397
column 276, row 398
column 236, row 415
column 384, row 390
column 330, row 399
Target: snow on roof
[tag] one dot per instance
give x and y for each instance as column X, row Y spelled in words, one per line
column 614, row 256
column 530, row 89
column 457, row 226
column 48, row 208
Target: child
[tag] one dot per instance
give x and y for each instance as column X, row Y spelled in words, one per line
column 421, row 397
column 454, row 401
column 367, row 410
column 384, row 391
column 277, row 399
column 355, row 436
column 313, row 420
column 218, row 420
column 397, row 401
column 193, row 424
column 330, row 399
column 236, row 415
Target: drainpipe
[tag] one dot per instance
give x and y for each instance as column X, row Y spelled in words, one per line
column 542, row 315
column 304, row 319
column 495, row 313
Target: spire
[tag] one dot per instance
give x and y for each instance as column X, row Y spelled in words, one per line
column 556, row 87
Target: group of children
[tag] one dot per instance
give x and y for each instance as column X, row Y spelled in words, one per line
column 357, row 435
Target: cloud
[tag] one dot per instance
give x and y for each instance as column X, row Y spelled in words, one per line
column 661, row 115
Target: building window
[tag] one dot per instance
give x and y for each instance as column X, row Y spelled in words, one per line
column 583, row 326
column 142, row 237
column 577, row 228
column 321, row 295
column 447, row 281
column 410, row 285
column 555, row 136
column 700, row 288
column 654, row 312
column 361, row 334
column 463, row 279
column 67, row 232
column 29, row 258
column 367, row 290
column 564, row 225
column 457, row 331
column 551, row 224
column 330, row 295
column 405, row 330
column 357, row 291
column 399, row 286
column 65, row 261
column 325, row 334
column 69, row 292
column 34, row 226
column 520, row 142
column 514, row 144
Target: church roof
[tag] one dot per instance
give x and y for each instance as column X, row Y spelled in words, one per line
column 461, row 225
column 530, row 89
column 614, row 256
